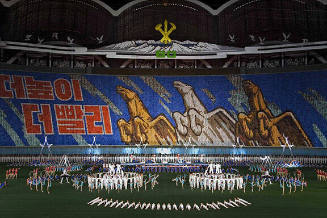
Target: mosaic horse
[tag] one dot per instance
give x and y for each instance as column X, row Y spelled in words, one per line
column 199, row 126
column 142, row 128
column 261, row 127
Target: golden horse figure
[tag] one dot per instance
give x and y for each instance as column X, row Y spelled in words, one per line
column 142, row 128
column 261, row 127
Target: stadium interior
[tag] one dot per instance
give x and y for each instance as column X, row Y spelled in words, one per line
column 142, row 108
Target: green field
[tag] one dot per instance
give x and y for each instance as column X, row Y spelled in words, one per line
column 17, row 200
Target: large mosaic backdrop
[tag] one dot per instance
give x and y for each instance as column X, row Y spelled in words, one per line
column 250, row 110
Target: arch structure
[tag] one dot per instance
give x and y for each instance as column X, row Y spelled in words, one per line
column 9, row 3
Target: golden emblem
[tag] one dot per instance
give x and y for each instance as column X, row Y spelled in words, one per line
column 165, row 32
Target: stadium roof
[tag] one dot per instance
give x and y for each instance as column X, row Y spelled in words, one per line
column 116, row 7
column 214, row 4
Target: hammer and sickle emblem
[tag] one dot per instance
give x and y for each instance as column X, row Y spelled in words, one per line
column 165, row 39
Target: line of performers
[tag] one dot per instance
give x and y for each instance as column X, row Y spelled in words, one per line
column 215, row 182
column 165, row 169
column 238, row 202
column 12, row 173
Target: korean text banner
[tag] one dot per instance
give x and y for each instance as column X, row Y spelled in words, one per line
column 241, row 110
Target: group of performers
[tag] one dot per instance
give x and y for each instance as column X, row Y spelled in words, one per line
column 212, row 178
column 259, row 168
column 180, row 179
column 70, row 168
column 282, row 172
column 213, row 168
column 221, row 181
column 321, row 175
column 152, row 179
column 259, row 181
column 115, row 181
column 50, row 170
column 292, row 183
column 213, row 182
column 12, row 173
column 282, row 175
column 78, row 182
column 42, row 181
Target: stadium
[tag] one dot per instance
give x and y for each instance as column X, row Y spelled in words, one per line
column 163, row 108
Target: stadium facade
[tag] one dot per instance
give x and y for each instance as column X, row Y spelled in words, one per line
column 239, row 33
